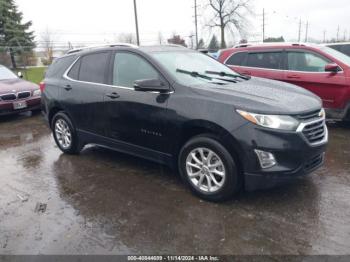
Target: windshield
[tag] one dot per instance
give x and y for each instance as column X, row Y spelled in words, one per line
column 176, row 63
column 337, row 55
column 6, row 74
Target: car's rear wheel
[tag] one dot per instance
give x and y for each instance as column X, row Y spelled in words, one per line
column 209, row 169
column 64, row 134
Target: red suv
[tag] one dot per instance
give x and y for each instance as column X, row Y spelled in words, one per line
column 320, row 69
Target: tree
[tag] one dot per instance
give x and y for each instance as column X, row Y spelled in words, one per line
column 48, row 40
column 15, row 36
column 160, row 38
column 274, row 39
column 229, row 14
column 129, row 38
column 177, row 40
column 214, row 43
column 201, row 44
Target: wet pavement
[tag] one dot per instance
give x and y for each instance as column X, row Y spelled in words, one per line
column 103, row 202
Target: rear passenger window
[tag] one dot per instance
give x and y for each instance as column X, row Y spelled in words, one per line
column 306, row 62
column 270, row 60
column 93, row 68
column 236, row 59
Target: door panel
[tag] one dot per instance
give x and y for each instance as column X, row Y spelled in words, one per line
column 306, row 69
column 83, row 91
column 131, row 116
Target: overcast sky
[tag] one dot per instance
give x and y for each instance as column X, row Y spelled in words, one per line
column 89, row 22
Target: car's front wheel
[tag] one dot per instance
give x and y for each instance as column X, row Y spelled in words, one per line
column 209, row 169
column 64, row 134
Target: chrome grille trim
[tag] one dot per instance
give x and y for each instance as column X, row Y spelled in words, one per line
column 23, row 95
column 314, row 132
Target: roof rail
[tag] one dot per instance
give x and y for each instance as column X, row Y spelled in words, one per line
column 101, row 46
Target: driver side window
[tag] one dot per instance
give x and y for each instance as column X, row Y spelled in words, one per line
column 130, row 67
column 306, row 62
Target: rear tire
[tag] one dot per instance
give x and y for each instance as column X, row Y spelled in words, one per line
column 209, row 169
column 65, row 134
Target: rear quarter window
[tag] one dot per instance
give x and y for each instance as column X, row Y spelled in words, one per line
column 59, row 66
column 236, row 59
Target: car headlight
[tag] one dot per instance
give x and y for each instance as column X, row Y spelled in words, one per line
column 281, row 122
column 37, row 92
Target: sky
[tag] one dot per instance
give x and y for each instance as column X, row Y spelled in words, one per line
column 85, row 22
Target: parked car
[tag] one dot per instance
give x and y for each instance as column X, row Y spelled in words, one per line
column 319, row 69
column 179, row 107
column 16, row 94
column 341, row 47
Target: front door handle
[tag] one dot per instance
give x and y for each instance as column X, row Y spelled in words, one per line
column 246, row 73
column 293, row 76
column 68, row 87
column 113, row 95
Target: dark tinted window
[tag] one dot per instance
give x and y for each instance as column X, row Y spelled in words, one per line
column 93, row 68
column 236, row 59
column 59, row 66
column 130, row 67
column 270, row 60
column 307, row 62
column 74, row 72
column 344, row 48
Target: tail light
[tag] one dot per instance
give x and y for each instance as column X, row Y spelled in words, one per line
column 42, row 86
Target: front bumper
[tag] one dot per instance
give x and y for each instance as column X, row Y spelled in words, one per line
column 294, row 155
column 33, row 103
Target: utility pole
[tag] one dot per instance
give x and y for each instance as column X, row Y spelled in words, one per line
column 263, row 25
column 196, row 21
column 306, row 31
column 324, row 36
column 338, row 33
column 136, row 24
column 299, row 34
column 191, row 39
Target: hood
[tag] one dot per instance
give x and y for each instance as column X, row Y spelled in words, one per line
column 264, row 96
column 16, row 85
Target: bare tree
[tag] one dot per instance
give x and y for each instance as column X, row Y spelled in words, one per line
column 126, row 38
column 48, row 39
column 160, row 38
column 228, row 15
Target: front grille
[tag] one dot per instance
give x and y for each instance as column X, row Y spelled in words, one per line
column 8, row 97
column 309, row 116
column 23, row 95
column 315, row 132
column 314, row 162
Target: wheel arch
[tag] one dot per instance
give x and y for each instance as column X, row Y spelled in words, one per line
column 202, row 127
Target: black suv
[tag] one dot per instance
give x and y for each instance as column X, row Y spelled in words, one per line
column 182, row 108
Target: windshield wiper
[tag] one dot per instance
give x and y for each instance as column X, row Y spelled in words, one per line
column 227, row 74
column 194, row 74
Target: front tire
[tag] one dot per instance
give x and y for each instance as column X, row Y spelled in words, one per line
column 64, row 134
column 209, row 169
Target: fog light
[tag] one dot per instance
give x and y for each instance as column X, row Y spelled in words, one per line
column 266, row 159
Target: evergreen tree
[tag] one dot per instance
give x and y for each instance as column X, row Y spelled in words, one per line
column 15, row 36
column 201, row 44
column 214, row 43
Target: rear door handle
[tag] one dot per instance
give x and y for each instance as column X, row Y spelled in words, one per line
column 68, row 87
column 246, row 73
column 113, row 95
column 293, row 76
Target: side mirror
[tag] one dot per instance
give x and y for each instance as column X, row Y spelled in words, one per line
column 332, row 67
column 20, row 75
column 149, row 85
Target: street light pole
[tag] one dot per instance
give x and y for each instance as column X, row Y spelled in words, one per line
column 136, row 24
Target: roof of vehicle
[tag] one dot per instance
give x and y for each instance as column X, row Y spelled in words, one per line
column 339, row 43
column 270, row 45
column 155, row 48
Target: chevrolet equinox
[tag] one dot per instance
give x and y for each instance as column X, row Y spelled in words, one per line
column 175, row 106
